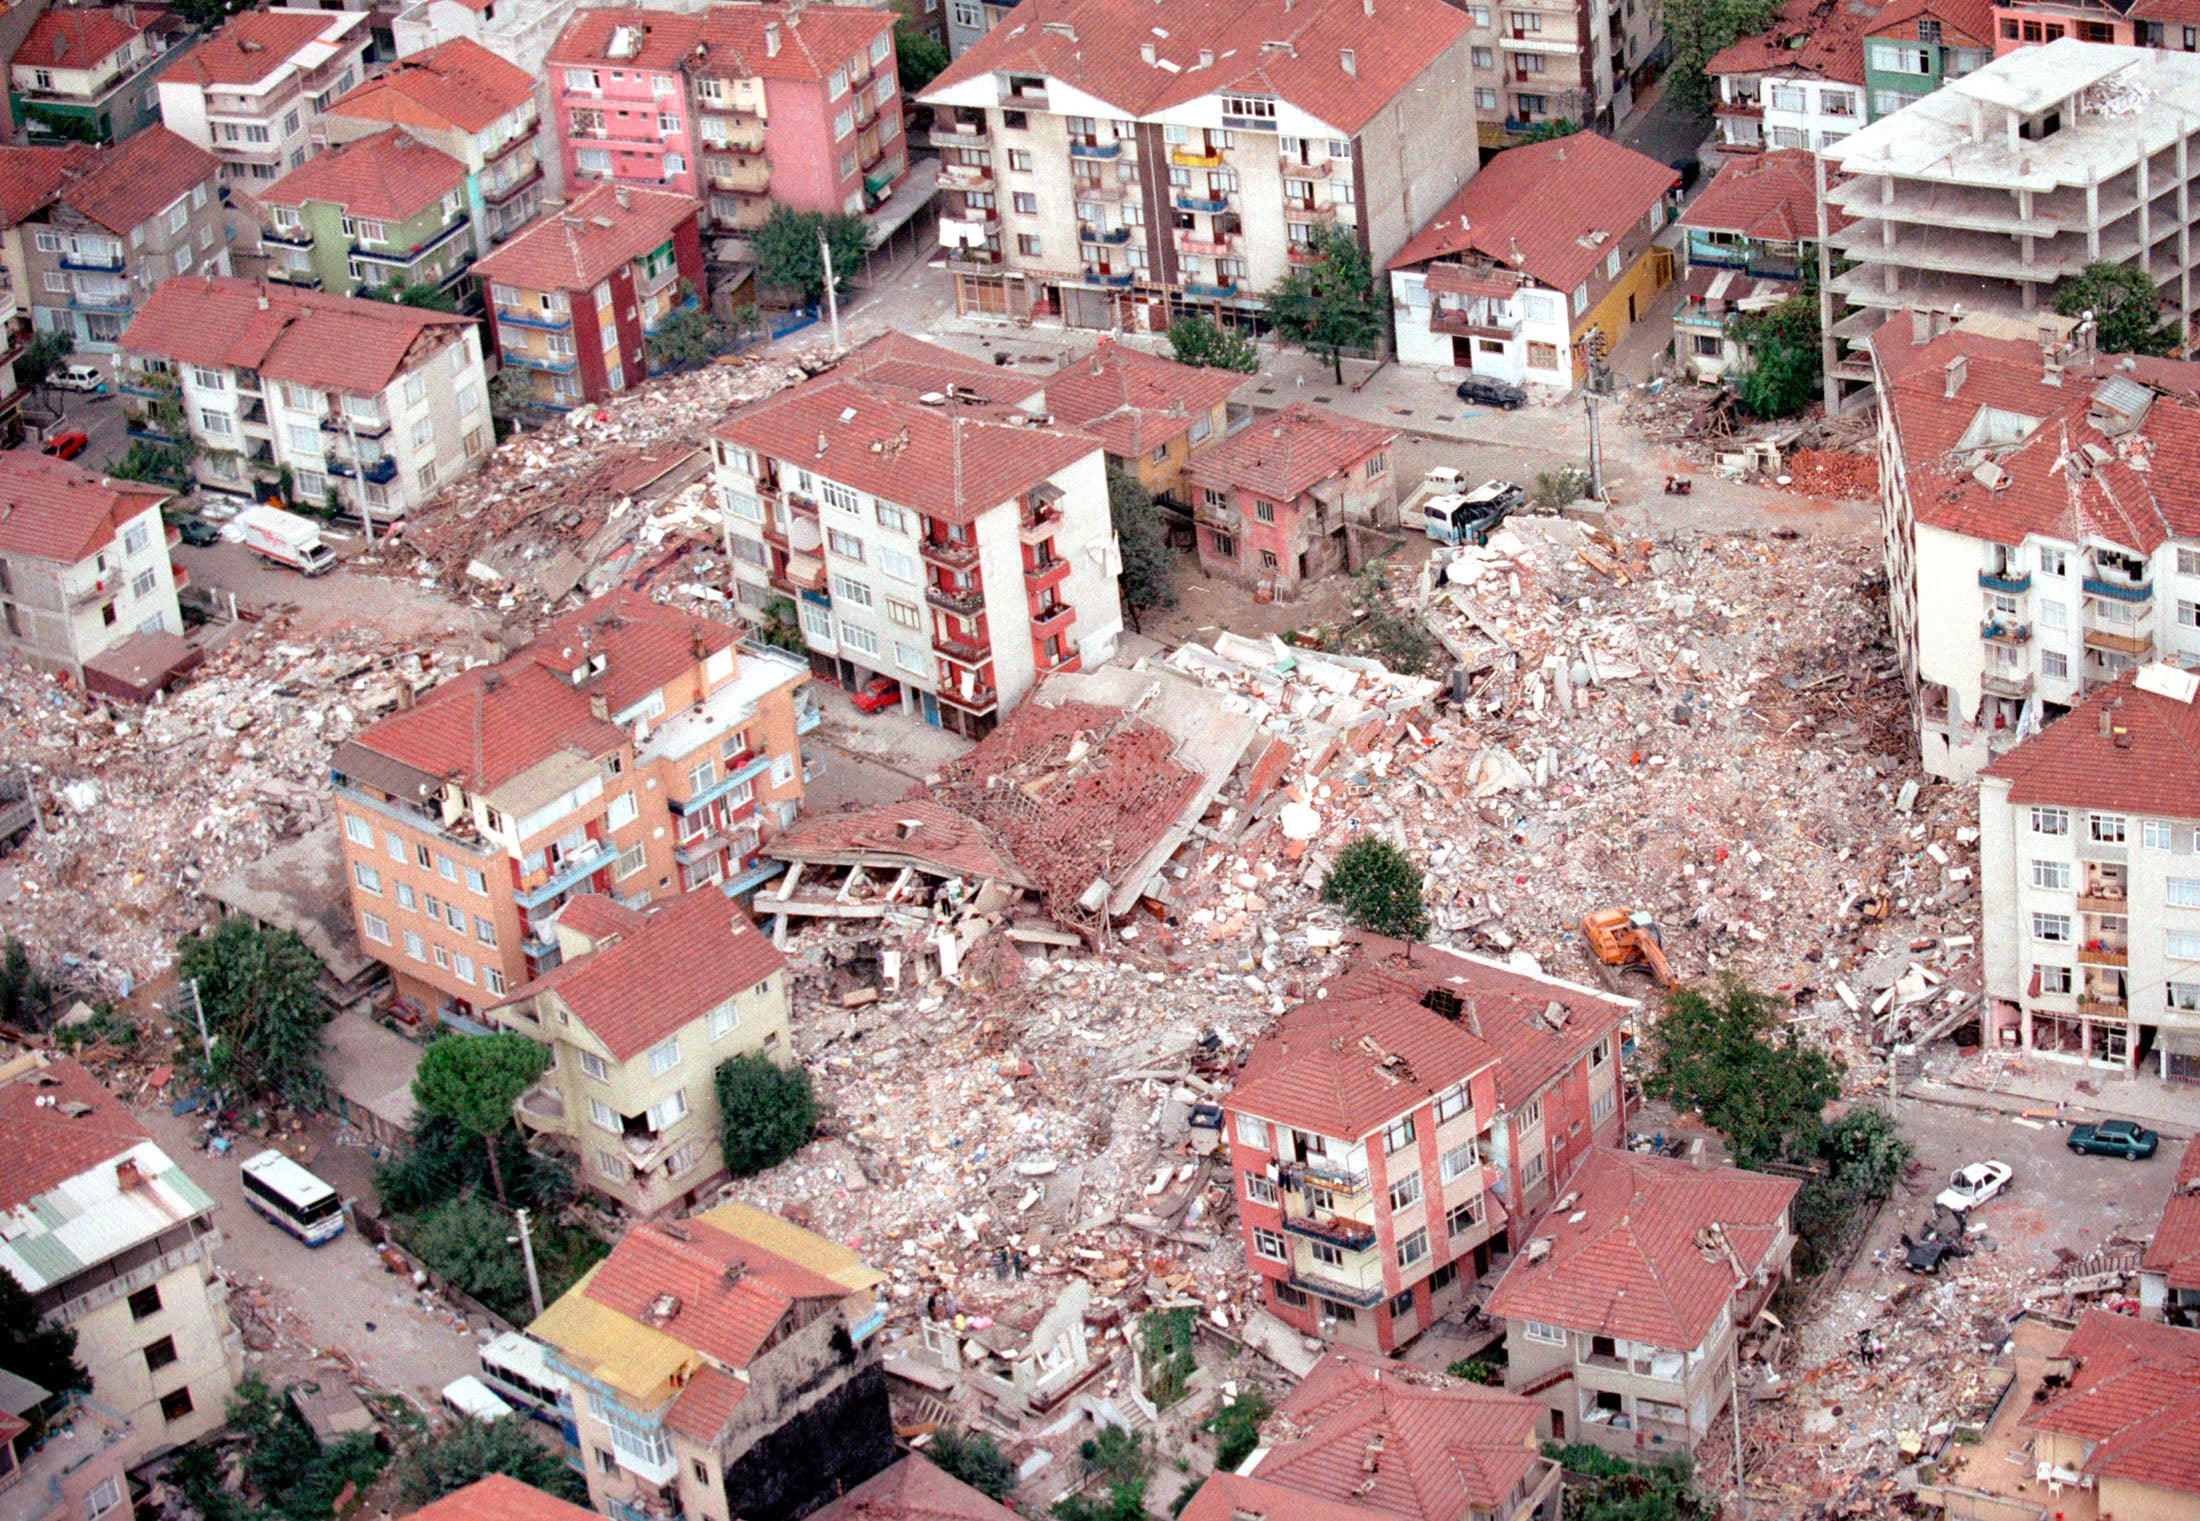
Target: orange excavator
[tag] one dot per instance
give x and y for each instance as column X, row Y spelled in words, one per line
column 1622, row 939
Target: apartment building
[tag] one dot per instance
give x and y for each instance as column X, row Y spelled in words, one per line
column 1151, row 415
column 1746, row 239
column 744, row 105
column 2086, row 864
column 462, row 100
column 390, row 209
column 1277, row 502
column 1447, row 1450
column 83, row 563
column 84, row 73
column 1913, row 47
column 1543, row 61
column 723, row 1365
column 1396, row 1134
column 2122, row 1424
column 1124, row 163
column 2146, row 23
column 113, row 1240
column 366, row 405
column 1544, row 261
column 1798, row 84
column 639, row 1013
column 2169, row 1273
column 2038, row 530
column 121, row 220
column 1621, row 1306
column 248, row 93
column 958, row 546
column 574, row 298
column 629, row 750
column 1995, row 187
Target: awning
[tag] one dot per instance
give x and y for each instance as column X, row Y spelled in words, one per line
column 1458, row 280
column 916, row 191
column 2178, row 1043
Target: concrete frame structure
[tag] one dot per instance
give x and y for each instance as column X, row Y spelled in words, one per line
column 83, row 563
column 1276, row 503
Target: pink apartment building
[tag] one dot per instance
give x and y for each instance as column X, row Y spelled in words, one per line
column 742, row 106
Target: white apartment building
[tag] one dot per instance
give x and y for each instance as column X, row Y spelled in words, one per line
column 1538, row 61
column 83, row 562
column 2039, row 525
column 1123, row 162
column 375, row 405
column 2089, row 865
column 248, row 93
column 928, row 527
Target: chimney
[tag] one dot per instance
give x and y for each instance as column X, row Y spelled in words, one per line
column 1145, row 51
column 1921, row 325
column 1368, row 6
column 1350, row 64
column 1952, row 374
column 1206, row 58
column 2107, row 722
column 771, row 39
column 618, row 193
column 127, row 1176
column 405, row 695
column 599, row 707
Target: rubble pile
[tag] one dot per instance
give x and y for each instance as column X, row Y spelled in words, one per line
column 1829, row 472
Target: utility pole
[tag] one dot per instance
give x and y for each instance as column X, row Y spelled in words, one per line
column 527, row 1255
column 1596, row 448
column 832, row 292
column 1734, row 1403
column 199, row 1008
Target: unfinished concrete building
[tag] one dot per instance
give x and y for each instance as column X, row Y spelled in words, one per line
column 1985, row 194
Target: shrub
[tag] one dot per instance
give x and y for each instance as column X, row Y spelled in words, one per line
column 1379, row 888
column 974, row 1458
column 766, row 1113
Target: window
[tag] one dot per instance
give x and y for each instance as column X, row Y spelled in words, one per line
column 723, row 1019
column 665, row 1057
column 492, row 979
column 861, row 640
column 160, row 1354
column 1532, row 1173
column 1260, row 1188
column 415, row 947
column 847, row 545
column 1463, row 1218
column 846, row 589
column 2052, row 876
column 592, row 1064
column 1269, row 1245
column 1019, row 160
column 604, row 1115
column 1397, row 1135
column 1406, row 1192
column 104, row 1497
column 367, row 877
column 631, row 860
column 174, row 1407
column 145, row 1302
column 1252, row 1132
column 1025, row 203
column 358, row 831
column 484, row 931
column 899, row 565
column 2182, row 892
column 1452, row 1102
column 442, row 957
column 2054, row 663
column 375, row 928
column 2181, row 945
column 1551, row 1336
column 1327, row 1255
column 1457, row 1162
column 2053, row 979
column 1531, row 1115
column 2051, row 928
column 1413, row 1248
column 2051, row 821
column 1224, row 547
column 215, row 424
column 1028, row 244
column 1600, row 1107
column 2105, row 828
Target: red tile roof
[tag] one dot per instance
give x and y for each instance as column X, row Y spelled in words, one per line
column 2148, row 763
column 689, row 955
column 1245, row 1497
column 1289, row 452
column 492, row 723
column 254, row 44
column 2175, row 1249
column 2188, row 1167
column 706, row 1404
column 572, row 246
column 1626, row 1259
column 1554, row 210
column 74, row 37
column 2134, row 1400
column 947, row 462
column 1821, row 39
column 331, row 343
column 814, row 40
column 53, row 510
column 916, row 369
column 599, row 918
column 44, row 1143
column 1772, row 197
column 912, row 830
column 457, row 84
column 1963, row 23
column 654, row 40
column 33, row 177
column 1290, row 49
column 1134, row 402
column 1364, row 1431
column 913, row 1490
column 498, row 1498
column 139, row 178
column 728, row 1323
column 389, row 177
column 2136, row 498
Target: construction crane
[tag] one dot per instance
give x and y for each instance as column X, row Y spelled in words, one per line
column 1622, row 939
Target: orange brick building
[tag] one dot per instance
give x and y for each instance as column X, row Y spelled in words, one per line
column 631, row 750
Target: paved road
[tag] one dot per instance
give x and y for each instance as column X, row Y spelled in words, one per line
column 99, row 417
column 1664, row 135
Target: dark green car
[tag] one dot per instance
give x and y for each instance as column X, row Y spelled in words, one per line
column 2115, row 1138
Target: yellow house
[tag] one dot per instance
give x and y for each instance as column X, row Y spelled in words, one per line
column 639, row 1016
column 2129, row 1423
column 1150, row 414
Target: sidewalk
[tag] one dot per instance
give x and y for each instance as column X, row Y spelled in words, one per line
column 2014, row 1084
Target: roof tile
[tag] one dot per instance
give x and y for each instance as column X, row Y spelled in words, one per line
column 1289, row 452
column 573, row 246
column 499, row 1498
column 2134, row 1400
column 74, row 37
column 1772, row 197
column 913, row 1490
column 140, row 177
column 253, row 44
column 51, row 509
column 389, row 177
column 457, row 84
column 331, row 343
column 2148, row 762
column 45, row 1143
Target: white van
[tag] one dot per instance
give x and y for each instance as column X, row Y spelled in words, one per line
column 77, row 377
column 470, row 1399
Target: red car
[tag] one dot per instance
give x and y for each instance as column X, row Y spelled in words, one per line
column 66, row 445
column 878, row 694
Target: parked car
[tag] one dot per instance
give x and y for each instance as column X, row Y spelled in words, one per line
column 1925, row 1252
column 77, row 377
column 877, row 694
column 1486, row 391
column 1969, row 1187
column 199, row 532
column 66, row 445
column 2115, row 1138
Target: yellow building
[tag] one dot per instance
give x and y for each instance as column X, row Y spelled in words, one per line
column 1150, row 414
column 639, row 1015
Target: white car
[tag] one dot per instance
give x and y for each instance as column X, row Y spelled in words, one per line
column 1969, row 1187
column 77, row 377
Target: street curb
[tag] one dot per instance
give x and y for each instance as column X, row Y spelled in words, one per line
column 1971, row 1098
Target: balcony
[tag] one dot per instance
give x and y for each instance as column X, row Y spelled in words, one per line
column 1320, row 1172
column 1096, row 150
column 1053, row 619
column 1110, row 280
column 2104, row 953
column 1031, row 95
column 2120, row 591
column 1310, row 211
column 556, row 366
column 1112, row 236
column 1352, row 1235
column 105, row 264
column 347, row 423
column 733, row 137
column 985, row 220
column 1472, row 323
column 1206, row 205
column 381, row 469
column 2121, row 644
column 548, row 322
column 963, row 604
column 974, row 261
column 543, row 1107
column 965, row 177
column 1038, row 527
column 1210, row 292
column 740, row 771
column 1997, row 581
column 961, row 134
column 743, row 179
column 959, row 650
column 1300, row 253
column 1046, row 574
column 958, row 554
column 1296, row 169
column 1192, row 243
column 978, row 699
column 1335, row 1289
column 702, row 848
column 1095, row 192
column 2015, row 685
column 418, row 251
column 1196, row 158
column 2004, row 631
column 571, row 872
column 1746, row 108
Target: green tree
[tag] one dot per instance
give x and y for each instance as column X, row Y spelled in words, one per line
column 42, row 1351
column 155, row 464
column 1396, row 638
column 919, row 56
column 41, row 357
column 1612, row 1489
column 1728, row 1053
column 780, row 630
column 511, row 397
column 1236, row 1428
column 414, row 293
column 26, row 996
column 1861, row 1157
column 473, row 1450
column 1327, row 305
column 284, row 1467
column 766, row 1112
column 475, row 1080
column 1785, row 366
column 259, row 990
column 1545, row 131
column 208, row 14
column 786, row 250
column 444, row 1160
column 2127, row 313
column 1148, row 577
column 1124, row 1463
column 1378, row 888
column 1695, row 30
column 1476, row 1370
column 687, row 338
column 1201, row 341
column 464, row 1240
column 974, row 1458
